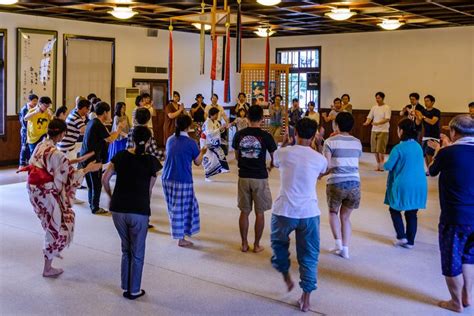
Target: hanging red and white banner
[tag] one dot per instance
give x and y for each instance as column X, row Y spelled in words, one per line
column 214, row 58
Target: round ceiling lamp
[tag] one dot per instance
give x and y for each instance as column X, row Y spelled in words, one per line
column 8, row 2
column 264, row 32
column 390, row 25
column 269, row 2
column 123, row 13
column 207, row 27
column 340, row 14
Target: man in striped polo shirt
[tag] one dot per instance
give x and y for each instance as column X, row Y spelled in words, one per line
column 75, row 127
column 343, row 184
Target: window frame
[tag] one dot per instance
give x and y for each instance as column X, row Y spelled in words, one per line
column 3, row 133
column 299, row 70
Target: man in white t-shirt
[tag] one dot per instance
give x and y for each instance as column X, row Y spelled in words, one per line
column 379, row 116
column 296, row 208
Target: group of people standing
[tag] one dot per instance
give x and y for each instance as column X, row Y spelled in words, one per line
column 303, row 158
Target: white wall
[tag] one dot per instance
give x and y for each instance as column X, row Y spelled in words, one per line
column 133, row 48
column 435, row 61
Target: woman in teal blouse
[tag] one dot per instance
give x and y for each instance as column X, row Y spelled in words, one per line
column 406, row 184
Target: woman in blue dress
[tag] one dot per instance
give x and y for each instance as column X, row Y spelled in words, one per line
column 406, row 184
column 120, row 119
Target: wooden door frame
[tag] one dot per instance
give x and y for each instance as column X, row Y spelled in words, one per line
column 165, row 81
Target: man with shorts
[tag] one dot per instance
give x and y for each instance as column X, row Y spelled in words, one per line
column 251, row 145
column 379, row 116
column 454, row 165
column 430, row 118
column 342, row 152
column 296, row 209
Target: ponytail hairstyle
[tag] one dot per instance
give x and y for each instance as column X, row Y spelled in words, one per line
column 182, row 123
column 408, row 129
column 141, row 135
column 56, row 127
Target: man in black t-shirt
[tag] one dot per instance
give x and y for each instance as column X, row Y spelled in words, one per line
column 96, row 138
column 431, row 129
column 410, row 111
column 251, row 145
column 197, row 109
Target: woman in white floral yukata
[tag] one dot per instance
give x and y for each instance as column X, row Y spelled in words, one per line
column 51, row 183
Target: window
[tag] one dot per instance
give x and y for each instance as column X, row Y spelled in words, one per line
column 3, row 90
column 305, row 69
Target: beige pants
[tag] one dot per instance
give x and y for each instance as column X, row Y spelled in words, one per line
column 275, row 131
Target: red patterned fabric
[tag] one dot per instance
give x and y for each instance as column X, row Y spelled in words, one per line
column 51, row 200
column 214, row 58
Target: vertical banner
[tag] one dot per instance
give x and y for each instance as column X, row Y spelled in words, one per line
column 202, row 43
column 227, row 68
column 170, row 64
column 267, row 66
column 238, row 45
column 220, row 57
column 214, row 58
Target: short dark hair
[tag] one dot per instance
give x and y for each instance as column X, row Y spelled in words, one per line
column 346, row 95
column 471, row 105
column 215, row 95
column 311, row 103
column 241, row 93
column 277, row 95
column 32, row 96
column 213, row 111
column 255, row 113
column 83, row 103
column 61, row 110
column 138, row 99
column 182, row 123
column 336, row 100
column 45, row 100
column 380, row 94
column 118, row 108
column 295, row 100
column 408, row 128
column 142, row 116
column 306, row 128
column 345, row 122
column 430, row 97
column 146, row 95
column 101, row 108
column 176, row 93
column 91, row 95
column 56, row 127
column 414, row 95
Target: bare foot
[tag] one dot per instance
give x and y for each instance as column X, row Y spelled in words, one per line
column 185, row 243
column 303, row 302
column 257, row 248
column 59, row 256
column 244, row 248
column 289, row 282
column 52, row 272
column 466, row 302
column 450, row 305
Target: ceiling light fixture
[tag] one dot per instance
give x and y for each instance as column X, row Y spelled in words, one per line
column 269, row 2
column 123, row 12
column 340, row 14
column 207, row 27
column 264, row 32
column 390, row 25
column 8, row 2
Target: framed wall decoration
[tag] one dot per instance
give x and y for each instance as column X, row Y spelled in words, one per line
column 37, row 52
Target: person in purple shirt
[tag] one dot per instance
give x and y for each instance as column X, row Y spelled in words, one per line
column 454, row 164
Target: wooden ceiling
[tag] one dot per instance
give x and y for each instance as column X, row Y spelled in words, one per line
column 288, row 18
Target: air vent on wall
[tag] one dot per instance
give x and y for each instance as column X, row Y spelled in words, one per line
column 152, row 33
column 151, row 70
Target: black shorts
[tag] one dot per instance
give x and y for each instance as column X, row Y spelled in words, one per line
column 456, row 244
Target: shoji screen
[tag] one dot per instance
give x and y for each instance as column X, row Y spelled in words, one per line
column 89, row 68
